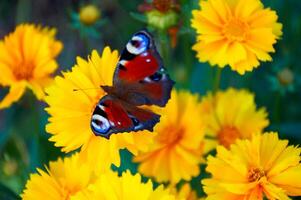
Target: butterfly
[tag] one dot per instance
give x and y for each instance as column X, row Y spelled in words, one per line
column 139, row 79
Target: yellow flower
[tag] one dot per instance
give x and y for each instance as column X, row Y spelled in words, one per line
column 70, row 112
column 185, row 193
column 251, row 169
column 61, row 180
column 239, row 33
column 231, row 115
column 27, row 58
column 178, row 145
column 89, row 14
column 111, row 187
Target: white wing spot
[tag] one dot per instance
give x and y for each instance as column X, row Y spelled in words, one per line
column 100, row 123
column 123, row 62
column 141, row 47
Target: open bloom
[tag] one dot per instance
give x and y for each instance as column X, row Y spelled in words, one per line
column 64, row 178
column 109, row 186
column 178, row 145
column 27, row 58
column 238, row 33
column 70, row 112
column 263, row 166
column 232, row 114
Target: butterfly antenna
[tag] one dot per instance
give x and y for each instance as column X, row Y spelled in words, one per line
column 74, row 117
column 83, row 89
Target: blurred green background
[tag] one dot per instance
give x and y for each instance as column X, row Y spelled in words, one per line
column 23, row 142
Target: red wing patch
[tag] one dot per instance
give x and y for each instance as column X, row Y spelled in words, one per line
column 117, row 114
column 139, row 67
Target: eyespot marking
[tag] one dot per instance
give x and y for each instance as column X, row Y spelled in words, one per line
column 138, row 44
column 100, row 125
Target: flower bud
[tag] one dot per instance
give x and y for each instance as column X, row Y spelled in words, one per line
column 89, row 14
column 161, row 20
column 285, row 76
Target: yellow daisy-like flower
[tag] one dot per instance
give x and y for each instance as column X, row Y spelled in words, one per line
column 185, row 193
column 64, row 178
column 232, row 114
column 239, row 33
column 70, row 112
column 27, row 58
column 111, row 187
column 252, row 169
column 178, row 145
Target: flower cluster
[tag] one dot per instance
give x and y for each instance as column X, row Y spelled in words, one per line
column 72, row 179
column 223, row 129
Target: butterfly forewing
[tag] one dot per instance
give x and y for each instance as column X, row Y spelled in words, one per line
column 141, row 68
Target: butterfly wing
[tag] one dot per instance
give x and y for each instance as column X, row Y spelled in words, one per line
column 112, row 115
column 140, row 72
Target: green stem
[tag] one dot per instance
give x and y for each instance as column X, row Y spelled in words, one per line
column 165, row 48
column 217, row 79
column 86, row 43
column 188, row 60
column 277, row 107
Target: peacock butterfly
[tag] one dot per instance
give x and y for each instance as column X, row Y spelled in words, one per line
column 139, row 79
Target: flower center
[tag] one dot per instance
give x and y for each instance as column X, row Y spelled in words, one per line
column 235, row 30
column 172, row 135
column 255, row 174
column 24, row 71
column 227, row 135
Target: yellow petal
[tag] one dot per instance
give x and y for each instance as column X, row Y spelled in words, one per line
column 14, row 94
column 6, row 76
column 289, row 179
column 274, row 192
column 236, row 53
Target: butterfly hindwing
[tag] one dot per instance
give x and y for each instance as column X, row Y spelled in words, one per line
column 140, row 70
column 114, row 116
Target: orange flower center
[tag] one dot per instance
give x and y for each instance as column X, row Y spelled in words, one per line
column 171, row 135
column 255, row 174
column 227, row 135
column 235, row 30
column 24, row 71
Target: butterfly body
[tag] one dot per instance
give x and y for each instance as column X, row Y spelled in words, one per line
column 139, row 79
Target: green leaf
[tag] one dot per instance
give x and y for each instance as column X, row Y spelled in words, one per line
column 139, row 17
column 7, row 194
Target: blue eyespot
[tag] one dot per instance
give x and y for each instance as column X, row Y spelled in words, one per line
column 100, row 125
column 138, row 44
